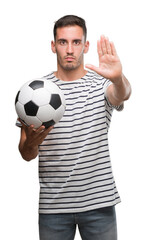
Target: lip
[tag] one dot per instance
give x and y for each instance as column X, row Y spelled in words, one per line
column 69, row 59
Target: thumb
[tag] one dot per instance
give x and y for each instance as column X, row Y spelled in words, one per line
column 93, row 68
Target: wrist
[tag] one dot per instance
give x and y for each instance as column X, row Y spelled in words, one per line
column 28, row 151
column 118, row 81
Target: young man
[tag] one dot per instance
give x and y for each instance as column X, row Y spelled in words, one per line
column 77, row 186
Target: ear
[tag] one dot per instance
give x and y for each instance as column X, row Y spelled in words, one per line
column 53, row 47
column 86, row 47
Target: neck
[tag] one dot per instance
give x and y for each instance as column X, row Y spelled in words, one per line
column 70, row 75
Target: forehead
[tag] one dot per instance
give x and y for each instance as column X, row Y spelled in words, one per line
column 70, row 32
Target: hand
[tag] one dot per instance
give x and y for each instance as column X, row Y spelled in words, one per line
column 34, row 137
column 109, row 63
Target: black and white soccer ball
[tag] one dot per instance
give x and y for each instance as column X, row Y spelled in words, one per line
column 40, row 102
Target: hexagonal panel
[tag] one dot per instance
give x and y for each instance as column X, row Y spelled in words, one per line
column 20, row 110
column 25, row 94
column 63, row 99
column 33, row 120
column 36, row 84
column 45, row 113
column 41, row 97
column 51, row 86
column 24, row 122
column 59, row 113
column 31, row 108
column 55, row 101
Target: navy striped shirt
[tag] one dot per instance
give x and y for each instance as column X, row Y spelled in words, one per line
column 75, row 170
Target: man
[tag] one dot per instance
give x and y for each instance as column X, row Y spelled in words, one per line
column 76, row 180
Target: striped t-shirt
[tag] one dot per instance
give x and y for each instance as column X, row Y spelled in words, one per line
column 74, row 163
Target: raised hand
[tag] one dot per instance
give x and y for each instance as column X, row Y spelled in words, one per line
column 110, row 66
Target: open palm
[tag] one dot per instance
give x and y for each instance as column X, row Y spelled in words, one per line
column 109, row 63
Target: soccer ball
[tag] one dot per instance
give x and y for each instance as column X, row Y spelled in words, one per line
column 40, row 102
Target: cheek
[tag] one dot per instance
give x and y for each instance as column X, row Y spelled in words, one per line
column 60, row 53
column 80, row 53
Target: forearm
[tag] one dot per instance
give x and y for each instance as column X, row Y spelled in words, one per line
column 119, row 91
column 28, row 152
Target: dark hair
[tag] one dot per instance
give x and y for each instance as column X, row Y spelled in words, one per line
column 70, row 20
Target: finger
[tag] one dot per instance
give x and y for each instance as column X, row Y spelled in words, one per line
column 103, row 44
column 46, row 131
column 99, row 49
column 93, row 68
column 40, row 129
column 113, row 49
column 108, row 46
column 30, row 128
column 49, row 129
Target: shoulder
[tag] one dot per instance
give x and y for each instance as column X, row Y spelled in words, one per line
column 99, row 80
column 49, row 76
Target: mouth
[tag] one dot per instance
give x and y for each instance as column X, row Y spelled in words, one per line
column 69, row 59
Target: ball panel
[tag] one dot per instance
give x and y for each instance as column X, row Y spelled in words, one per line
column 54, row 89
column 59, row 113
column 24, row 122
column 36, row 84
column 20, row 110
column 41, row 97
column 63, row 99
column 25, row 94
column 45, row 113
column 17, row 96
column 51, row 87
column 31, row 108
column 48, row 124
column 33, row 121
column 55, row 101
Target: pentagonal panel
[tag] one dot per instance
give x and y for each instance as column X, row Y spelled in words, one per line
column 41, row 97
column 36, row 84
column 31, row 108
column 55, row 101
column 45, row 113
column 16, row 99
column 48, row 124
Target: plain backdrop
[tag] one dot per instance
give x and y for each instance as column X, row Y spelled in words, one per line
column 25, row 53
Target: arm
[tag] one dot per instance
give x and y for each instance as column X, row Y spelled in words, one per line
column 118, row 93
column 30, row 139
column 110, row 67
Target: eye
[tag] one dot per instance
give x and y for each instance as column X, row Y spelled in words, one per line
column 62, row 42
column 77, row 42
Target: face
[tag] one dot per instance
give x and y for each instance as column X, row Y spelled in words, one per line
column 70, row 47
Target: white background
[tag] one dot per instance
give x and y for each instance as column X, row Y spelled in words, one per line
column 25, row 53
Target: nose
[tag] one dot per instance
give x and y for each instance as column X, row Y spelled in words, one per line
column 70, row 48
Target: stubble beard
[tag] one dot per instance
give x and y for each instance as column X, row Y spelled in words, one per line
column 69, row 66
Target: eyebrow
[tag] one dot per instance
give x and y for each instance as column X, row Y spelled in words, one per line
column 63, row 39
